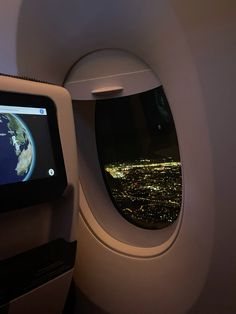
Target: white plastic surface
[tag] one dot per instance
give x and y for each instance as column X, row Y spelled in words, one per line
column 104, row 72
column 107, row 90
column 190, row 45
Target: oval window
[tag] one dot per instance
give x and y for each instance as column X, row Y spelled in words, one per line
column 139, row 157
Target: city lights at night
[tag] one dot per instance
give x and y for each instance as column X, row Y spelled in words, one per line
column 147, row 193
column 139, row 157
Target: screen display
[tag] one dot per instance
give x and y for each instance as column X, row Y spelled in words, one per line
column 32, row 167
column 25, row 144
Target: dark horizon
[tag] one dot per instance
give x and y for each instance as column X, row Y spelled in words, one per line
column 136, row 127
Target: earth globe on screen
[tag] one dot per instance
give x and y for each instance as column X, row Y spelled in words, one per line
column 17, row 150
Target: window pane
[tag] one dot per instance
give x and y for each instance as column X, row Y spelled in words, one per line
column 139, row 157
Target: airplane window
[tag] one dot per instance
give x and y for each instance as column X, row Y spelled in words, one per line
column 139, row 157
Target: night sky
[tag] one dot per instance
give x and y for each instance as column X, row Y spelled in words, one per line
column 135, row 127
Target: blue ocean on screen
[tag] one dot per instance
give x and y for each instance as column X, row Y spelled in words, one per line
column 17, row 150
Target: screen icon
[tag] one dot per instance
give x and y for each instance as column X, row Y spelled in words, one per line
column 51, row 172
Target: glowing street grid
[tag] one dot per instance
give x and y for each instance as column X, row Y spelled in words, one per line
column 146, row 192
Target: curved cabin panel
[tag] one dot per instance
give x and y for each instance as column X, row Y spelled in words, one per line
column 190, row 46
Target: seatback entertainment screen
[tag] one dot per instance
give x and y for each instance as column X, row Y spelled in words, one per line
column 31, row 161
column 25, row 145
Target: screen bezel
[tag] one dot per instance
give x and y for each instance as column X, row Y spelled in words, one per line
column 31, row 192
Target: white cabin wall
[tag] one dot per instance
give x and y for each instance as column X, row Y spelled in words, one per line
column 172, row 282
column 8, row 25
column 191, row 46
column 210, row 30
column 210, row 33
